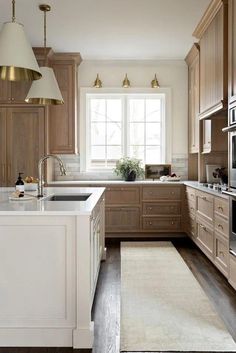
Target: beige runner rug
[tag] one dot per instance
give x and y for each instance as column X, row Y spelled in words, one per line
column 163, row 307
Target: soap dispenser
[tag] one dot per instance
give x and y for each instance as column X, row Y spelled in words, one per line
column 20, row 184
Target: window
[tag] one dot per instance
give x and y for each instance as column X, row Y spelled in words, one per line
column 119, row 125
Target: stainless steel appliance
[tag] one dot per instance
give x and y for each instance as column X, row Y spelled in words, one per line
column 232, row 160
column 232, row 221
column 232, row 239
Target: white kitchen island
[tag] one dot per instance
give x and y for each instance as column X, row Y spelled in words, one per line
column 50, row 253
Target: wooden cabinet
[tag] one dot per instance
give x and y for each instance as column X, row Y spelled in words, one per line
column 204, row 206
column 121, row 219
column 161, row 192
column 212, row 31
column 208, row 226
column 192, row 60
column 62, row 123
column 232, row 271
column 205, row 237
column 13, row 92
column 214, row 140
column 128, row 195
column 232, row 52
column 22, row 143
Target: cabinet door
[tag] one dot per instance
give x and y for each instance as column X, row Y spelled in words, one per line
column 122, row 219
column 213, row 68
column 62, row 118
column 19, row 91
column 232, row 51
column 207, row 136
column 5, row 91
column 205, row 238
column 3, row 180
column 194, row 106
column 25, row 141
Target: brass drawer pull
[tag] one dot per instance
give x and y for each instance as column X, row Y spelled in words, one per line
column 222, row 253
column 150, row 223
column 204, row 228
column 203, row 198
column 150, row 208
column 172, row 192
column 172, row 223
column 220, row 208
column 220, row 226
column 191, row 208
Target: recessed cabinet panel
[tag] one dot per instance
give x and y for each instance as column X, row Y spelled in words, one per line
column 162, row 223
column 205, row 238
column 205, row 206
column 120, row 219
column 161, row 193
column 122, row 195
column 162, row 208
column 221, row 254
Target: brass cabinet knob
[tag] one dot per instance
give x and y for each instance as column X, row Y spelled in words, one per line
column 220, row 226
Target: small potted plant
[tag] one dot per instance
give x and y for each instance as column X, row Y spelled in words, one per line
column 129, row 168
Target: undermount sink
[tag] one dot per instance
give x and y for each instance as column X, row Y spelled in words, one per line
column 68, row 197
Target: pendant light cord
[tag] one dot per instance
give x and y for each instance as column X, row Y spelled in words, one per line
column 13, row 11
column 45, row 37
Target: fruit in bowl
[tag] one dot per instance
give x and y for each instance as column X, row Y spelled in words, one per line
column 30, row 179
column 31, row 183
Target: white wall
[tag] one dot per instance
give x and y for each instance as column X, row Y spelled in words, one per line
column 171, row 74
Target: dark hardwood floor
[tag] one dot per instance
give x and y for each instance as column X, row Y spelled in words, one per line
column 106, row 308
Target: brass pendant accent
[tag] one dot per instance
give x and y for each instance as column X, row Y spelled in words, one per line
column 45, row 7
column 155, row 83
column 97, row 82
column 12, row 73
column 126, row 82
column 44, row 101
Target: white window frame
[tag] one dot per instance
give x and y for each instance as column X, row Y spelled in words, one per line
column 135, row 92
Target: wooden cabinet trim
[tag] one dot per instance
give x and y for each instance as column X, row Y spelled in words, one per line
column 210, row 13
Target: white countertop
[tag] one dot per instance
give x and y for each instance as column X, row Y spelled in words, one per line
column 44, row 207
column 193, row 184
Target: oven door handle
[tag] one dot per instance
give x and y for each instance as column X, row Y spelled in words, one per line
column 229, row 193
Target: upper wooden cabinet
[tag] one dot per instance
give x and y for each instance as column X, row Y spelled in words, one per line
column 62, row 122
column 16, row 92
column 232, row 52
column 192, row 61
column 212, row 31
column 22, row 142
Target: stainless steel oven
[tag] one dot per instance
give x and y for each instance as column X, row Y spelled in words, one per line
column 232, row 240
column 232, row 160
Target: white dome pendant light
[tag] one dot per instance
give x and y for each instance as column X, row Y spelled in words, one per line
column 17, row 59
column 45, row 91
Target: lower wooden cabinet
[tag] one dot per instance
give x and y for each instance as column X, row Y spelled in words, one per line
column 120, row 219
column 232, row 271
column 205, row 237
column 222, row 253
column 158, row 224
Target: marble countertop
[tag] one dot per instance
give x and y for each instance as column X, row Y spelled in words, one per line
column 45, row 207
column 193, row 184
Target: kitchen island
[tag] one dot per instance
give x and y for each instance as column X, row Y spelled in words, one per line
column 50, row 254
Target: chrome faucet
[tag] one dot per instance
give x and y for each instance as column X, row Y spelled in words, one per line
column 40, row 171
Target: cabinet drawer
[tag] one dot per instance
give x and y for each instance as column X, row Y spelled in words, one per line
column 221, row 254
column 122, row 195
column 205, row 206
column 222, row 207
column 205, row 237
column 222, row 226
column 190, row 193
column 232, row 271
column 161, row 193
column 191, row 206
column 162, row 208
column 162, row 224
column 120, row 219
column 191, row 227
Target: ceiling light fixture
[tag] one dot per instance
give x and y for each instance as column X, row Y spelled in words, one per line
column 126, row 82
column 155, row 83
column 97, row 82
column 17, row 59
column 45, row 91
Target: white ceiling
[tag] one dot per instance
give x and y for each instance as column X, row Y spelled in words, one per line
column 112, row 29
